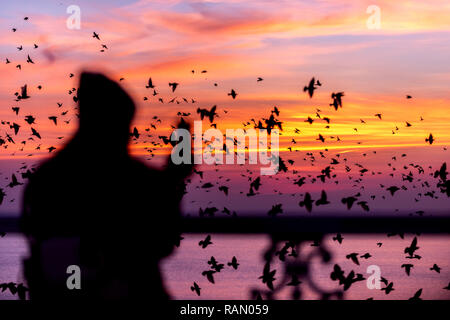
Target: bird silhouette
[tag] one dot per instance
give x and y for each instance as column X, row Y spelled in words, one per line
column 233, row 263
column 311, row 87
column 363, row 205
column 30, row 119
column 268, row 276
column 337, row 274
column 14, row 182
column 35, row 133
column 412, row 247
column 354, row 257
column 417, row 295
column 349, row 201
column 350, row 279
column 389, row 288
column 416, row 256
column 206, row 242
column 309, row 120
column 215, row 265
column 210, row 114
column 436, row 268
column 276, row 209
column 337, row 100
column 195, row 288
column 16, row 127
column 54, row 119
column 321, row 138
column 307, row 202
column 2, row 195
column 407, row 267
column 430, row 139
column 300, row 181
column 338, row 238
column 393, row 190
column 224, row 189
column 442, row 172
column 150, row 84
column 233, row 94
column 209, row 274
column 255, row 184
column 173, row 85
column 276, row 111
column 23, row 93
column 323, row 199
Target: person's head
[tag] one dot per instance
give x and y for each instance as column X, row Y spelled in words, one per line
column 106, row 110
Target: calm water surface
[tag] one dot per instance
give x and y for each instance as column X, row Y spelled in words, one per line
column 188, row 262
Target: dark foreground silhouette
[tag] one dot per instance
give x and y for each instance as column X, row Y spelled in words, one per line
column 94, row 206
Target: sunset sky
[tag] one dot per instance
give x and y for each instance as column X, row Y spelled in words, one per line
column 284, row 42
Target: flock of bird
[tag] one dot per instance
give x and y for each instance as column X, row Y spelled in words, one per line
column 425, row 182
column 215, row 266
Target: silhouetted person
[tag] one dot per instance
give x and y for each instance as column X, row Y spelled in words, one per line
column 94, row 206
